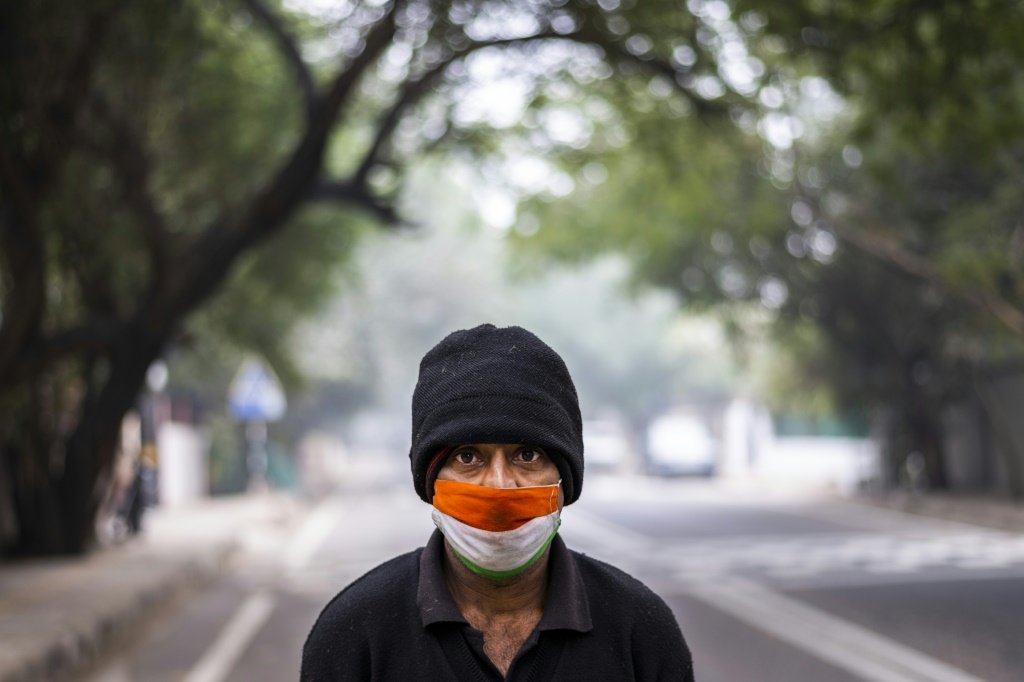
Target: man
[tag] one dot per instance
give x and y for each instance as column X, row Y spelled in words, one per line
column 497, row 449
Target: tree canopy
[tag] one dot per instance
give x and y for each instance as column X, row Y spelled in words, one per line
column 864, row 194
column 148, row 151
column 156, row 156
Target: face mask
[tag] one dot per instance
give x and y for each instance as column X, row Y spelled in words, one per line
column 496, row 532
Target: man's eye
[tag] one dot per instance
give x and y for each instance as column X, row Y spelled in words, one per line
column 465, row 457
column 529, row 456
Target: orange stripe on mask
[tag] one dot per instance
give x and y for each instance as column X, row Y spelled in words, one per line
column 494, row 509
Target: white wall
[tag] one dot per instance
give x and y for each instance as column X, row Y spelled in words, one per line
column 750, row 449
column 183, row 463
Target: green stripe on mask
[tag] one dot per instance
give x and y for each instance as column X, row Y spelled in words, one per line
column 512, row 572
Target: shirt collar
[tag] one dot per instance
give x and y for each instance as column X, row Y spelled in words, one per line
column 432, row 595
column 566, row 606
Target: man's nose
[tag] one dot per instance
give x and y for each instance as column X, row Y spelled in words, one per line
column 499, row 472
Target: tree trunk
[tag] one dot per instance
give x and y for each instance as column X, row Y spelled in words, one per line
column 36, row 528
column 91, row 448
column 924, row 424
column 56, row 500
column 1007, row 443
column 58, row 473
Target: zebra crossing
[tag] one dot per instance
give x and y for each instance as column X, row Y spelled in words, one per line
column 864, row 544
column 961, row 554
column 763, row 581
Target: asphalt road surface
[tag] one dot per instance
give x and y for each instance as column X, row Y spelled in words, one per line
column 766, row 587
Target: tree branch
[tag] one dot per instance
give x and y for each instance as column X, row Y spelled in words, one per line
column 26, row 174
column 212, row 253
column 64, row 109
column 415, row 89
column 895, row 253
column 127, row 154
column 93, row 337
column 357, row 195
column 344, row 83
column 705, row 108
column 25, row 266
column 288, row 48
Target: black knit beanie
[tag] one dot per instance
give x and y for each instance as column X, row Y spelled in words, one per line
column 491, row 385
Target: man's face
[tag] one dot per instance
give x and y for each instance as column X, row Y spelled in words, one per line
column 500, row 466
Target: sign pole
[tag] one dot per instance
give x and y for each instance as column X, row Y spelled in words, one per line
column 256, row 398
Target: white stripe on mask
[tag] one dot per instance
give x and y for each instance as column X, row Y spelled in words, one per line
column 498, row 552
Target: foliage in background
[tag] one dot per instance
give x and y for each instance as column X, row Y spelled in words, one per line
column 864, row 199
column 629, row 352
column 146, row 150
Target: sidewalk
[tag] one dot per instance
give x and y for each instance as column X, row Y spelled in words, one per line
column 57, row 615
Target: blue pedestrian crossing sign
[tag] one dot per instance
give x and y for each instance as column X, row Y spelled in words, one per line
column 255, row 393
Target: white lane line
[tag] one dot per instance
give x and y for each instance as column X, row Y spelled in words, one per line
column 841, row 643
column 234, row 638
column 312, row 535
column 229, row 646
column 853, row 648
column 862, row 579
column 590, row 528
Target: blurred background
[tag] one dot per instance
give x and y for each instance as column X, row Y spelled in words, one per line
column 778, row 244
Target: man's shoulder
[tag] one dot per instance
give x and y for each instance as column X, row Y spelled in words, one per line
column 390, row 584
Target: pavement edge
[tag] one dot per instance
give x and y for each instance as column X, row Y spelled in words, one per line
column 82, row 642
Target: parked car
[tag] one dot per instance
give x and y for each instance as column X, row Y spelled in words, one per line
column 680, row 445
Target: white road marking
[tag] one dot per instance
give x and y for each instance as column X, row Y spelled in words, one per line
column 221, row 657
column 312, row 535
column 865, row 579
column 864, row 653
column 825, row 554
column 218, row 661
column 892, row 567
column 841, row 643
column 229, row 646
column 595, row 530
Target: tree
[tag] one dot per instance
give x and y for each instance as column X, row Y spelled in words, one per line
column 145, row 150
column 931, row 152
column 938, row 117
column 856, row 130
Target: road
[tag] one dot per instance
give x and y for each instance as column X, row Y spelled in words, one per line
column 766, row 587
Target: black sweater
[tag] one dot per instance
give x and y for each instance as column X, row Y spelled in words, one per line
column 399, row 623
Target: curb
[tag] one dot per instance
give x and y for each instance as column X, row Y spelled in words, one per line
column 997, row 514
column 85, row 625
